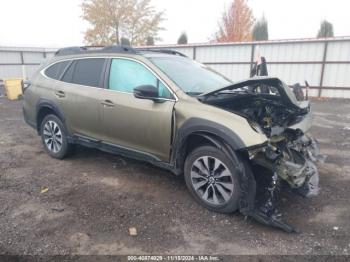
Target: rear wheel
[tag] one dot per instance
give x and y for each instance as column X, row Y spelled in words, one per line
column 212, row 178
column 54, row 137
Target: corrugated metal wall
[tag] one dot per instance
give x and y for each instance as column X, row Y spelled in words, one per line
column 21, row 62
column 325, row 64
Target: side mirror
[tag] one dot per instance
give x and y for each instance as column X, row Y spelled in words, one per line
column 146, row 92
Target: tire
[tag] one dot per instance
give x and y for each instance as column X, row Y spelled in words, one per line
column 56, row 145
column 222, row 178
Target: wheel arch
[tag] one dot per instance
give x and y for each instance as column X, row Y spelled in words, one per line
column 202, row 131
column 45, row 107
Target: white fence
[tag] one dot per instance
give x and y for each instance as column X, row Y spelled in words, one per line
column 324, row 63
column 21, row 62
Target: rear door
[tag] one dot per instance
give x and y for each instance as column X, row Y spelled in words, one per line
column 138, row 124
column 79, row 93
column 46, row 86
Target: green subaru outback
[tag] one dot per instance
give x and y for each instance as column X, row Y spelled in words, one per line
column 228, row 139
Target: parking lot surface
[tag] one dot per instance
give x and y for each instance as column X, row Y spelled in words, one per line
column 86, row 203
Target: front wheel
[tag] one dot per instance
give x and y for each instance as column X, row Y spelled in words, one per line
column 212, row 178
column 54, row 137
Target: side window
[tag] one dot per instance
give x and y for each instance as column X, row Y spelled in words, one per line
column 86, row 72
column 125, row 75
column 68, row 75
column 55, row 71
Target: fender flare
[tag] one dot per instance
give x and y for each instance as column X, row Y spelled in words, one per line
column 202, row 126
column 45, row 103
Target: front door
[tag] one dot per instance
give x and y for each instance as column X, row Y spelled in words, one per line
column 138, row 124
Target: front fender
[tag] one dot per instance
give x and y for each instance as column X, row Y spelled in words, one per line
column 195, row 125
column 201, row 126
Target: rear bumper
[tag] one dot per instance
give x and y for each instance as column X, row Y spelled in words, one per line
column 26, row 119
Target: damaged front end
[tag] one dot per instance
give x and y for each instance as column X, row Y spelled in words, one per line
column 289, row 161
column 288, row 156
column 292, row 161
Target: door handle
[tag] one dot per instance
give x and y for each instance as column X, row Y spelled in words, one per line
column 108, row 103
column 60, row 94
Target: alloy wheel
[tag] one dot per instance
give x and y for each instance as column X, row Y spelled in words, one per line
column 52, row 136
column 212, row 180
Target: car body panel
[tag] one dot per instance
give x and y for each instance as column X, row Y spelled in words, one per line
column 138, row 124
column 192, row 108
column 80, row 99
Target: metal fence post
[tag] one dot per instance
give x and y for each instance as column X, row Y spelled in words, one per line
column 323, row 67
column 252, row 53
column 22, row 58
column 24, row 73
column 194, row 52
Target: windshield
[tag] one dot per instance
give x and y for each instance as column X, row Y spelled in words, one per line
column 192, row 77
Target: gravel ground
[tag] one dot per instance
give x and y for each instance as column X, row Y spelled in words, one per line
column 93, row 198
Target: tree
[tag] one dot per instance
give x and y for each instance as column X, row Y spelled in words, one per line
column 125, row 41
column 112, row 19
column 150, row 41
column 326, row 29
column 182, row 39
column 260, row 30
column 236, row 23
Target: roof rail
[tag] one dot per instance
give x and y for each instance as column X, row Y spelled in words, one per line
column 94, row 49
column 74, row 50
column 166, row 51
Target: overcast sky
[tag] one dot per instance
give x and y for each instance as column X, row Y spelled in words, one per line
column 56, row 23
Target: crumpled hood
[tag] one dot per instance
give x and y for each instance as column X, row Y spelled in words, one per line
column 286, row 94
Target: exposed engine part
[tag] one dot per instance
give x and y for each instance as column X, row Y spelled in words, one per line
column 292, row 162
column 289, row 155
column 310, row 147
column 310, row 186
column 271, row 115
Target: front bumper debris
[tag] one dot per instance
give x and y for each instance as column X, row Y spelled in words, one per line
column 266, row 213
column 293, row 165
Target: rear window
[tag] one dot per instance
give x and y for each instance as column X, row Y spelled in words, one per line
column 86, row 72
column 55, row 71
column 68, row 75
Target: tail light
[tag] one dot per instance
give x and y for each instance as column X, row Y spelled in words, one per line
column 25, row 85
